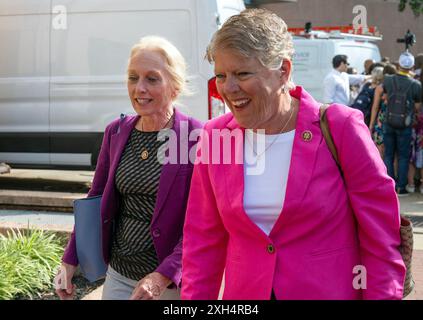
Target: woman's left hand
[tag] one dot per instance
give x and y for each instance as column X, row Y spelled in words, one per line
column 150, row 287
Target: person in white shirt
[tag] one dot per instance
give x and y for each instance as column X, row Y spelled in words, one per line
column 337, row 82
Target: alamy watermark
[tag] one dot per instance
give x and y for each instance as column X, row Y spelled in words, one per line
column 217, row 146
column 60, row 18
column 360, row 20
column 360, row 280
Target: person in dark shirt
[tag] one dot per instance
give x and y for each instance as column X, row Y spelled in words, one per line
column 398, row 140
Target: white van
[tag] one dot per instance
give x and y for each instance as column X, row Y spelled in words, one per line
column 62, row 70
column 312, row 60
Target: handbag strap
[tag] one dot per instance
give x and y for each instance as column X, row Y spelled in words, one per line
column 324, row 126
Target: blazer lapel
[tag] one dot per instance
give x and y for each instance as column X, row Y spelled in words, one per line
column 169, row 170
column 307, row 140
column 118, row 141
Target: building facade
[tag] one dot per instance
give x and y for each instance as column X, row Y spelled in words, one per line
column 391, row 23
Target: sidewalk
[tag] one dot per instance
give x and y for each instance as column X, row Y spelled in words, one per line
column 417, row 268
column 51, row 184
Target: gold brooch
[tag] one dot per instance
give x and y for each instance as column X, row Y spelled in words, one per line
column 144, row 154
column 307, row 135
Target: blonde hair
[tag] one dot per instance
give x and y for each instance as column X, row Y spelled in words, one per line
column 175, row 62
column 377, row 75
column 255, row 32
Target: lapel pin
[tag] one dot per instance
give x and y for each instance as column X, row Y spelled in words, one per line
column 307, row 135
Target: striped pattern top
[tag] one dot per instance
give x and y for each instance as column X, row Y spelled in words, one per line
column 133, row 254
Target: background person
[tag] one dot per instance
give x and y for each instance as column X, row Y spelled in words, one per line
column 337, row 83
column 378, row 111
column 365, row 97
column 418, row 67
column 354, row 89
column 143, row 203
column 415, row 170
column 398, row 140
column 367, row 64
column 295, row 231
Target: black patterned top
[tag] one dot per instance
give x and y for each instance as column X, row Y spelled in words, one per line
column 137, row 180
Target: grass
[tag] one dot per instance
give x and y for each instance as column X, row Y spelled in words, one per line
column 28, row 263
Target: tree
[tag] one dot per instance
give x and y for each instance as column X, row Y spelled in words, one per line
column 415, row 5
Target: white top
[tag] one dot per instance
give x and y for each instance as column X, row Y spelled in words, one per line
column 337, row 86
column 264, row 193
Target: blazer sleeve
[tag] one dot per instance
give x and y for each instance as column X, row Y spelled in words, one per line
column 204, row 239
column 372, row 196
column 171, row 266
column 97, row 188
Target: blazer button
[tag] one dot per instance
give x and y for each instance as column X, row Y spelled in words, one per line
column 156, row 233
column 270, row 248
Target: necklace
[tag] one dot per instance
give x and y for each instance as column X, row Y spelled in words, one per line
column 144, row 151
column 258, row 156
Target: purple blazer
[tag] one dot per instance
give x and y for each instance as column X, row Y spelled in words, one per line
column 169, row 213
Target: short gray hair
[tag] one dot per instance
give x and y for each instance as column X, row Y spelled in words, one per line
column 256, row 33
column 175, row 62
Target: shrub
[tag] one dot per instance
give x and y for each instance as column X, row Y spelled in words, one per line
column 28, row 262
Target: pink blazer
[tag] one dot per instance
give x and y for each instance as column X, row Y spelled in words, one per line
column 324, row 231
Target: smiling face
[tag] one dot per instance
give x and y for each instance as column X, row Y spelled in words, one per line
column 149, row 85
column 251, row 91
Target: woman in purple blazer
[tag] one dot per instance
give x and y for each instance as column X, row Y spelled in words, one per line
column 144, row 195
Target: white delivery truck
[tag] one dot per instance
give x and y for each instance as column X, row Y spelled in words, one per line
column 63, row 63
column 313, row 55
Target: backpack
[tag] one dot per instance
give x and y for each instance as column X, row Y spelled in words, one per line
column 398, row 109
column 364, row 101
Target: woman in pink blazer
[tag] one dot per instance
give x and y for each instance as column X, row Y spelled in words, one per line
column 282, row 223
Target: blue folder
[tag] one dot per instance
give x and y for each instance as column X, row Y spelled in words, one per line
column 88, row 238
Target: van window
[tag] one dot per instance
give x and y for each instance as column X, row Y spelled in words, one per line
column 24, row 79
column 104, row 37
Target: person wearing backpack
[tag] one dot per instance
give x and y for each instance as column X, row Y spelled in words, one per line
column 364, row 99
column 404, row 99
column 378, row 111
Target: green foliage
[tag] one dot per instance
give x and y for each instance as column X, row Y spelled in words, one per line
column 415, row 5
column 28, row 262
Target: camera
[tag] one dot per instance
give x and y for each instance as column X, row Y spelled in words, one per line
column 409, row 39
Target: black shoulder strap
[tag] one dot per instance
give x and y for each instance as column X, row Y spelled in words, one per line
column 403, row 91
column 409, row 86
column 394, row 83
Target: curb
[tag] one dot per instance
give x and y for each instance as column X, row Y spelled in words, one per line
column 64, row 231
column 39, row 198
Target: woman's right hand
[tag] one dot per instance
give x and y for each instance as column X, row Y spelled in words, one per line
column 63, row 280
